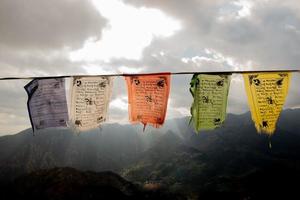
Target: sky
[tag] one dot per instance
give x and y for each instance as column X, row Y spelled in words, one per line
column 62, row 37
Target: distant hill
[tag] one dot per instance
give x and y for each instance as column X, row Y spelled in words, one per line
column 68, row 183
column 233, row 161
column 111, row 148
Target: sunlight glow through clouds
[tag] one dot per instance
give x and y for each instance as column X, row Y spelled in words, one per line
column 128, row 32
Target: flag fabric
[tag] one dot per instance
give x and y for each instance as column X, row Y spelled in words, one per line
column 210, row 93
column 148, row 98
column 90, row 97
column 266, row 96
column 47, row 103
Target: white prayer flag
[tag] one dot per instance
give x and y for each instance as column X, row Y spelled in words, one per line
column 90, row 98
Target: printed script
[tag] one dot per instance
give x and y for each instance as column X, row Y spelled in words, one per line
column 266, row 96
column 148, row 98
column 210, row 100
column 47, row 104
column 90, row 100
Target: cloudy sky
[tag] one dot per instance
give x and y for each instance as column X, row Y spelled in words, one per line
column 57, row 37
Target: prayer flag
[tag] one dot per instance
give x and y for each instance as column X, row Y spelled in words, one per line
column 90, row 98
column 210, row 94
column 47, row 103
column 148, row 98
column 266, row 96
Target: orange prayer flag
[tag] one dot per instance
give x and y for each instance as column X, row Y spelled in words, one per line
column 148, row 98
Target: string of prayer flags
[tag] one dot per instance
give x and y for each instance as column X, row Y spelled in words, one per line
column 266, row 96
column 148, row 98
column 47, row 103
column 90, row 98
column 210, row 93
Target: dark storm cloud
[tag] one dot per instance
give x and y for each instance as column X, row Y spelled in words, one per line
column 44, row 24
column 36, row 62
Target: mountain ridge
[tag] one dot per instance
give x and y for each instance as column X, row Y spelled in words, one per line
column 69, row 183
column 196, row 165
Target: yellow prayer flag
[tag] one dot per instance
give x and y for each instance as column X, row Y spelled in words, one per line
column 266, row 96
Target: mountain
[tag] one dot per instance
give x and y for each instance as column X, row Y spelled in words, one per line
column 68, row 183
column 230, row 162
column 112, row 147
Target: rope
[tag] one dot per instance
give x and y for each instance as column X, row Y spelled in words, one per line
column 145, row 74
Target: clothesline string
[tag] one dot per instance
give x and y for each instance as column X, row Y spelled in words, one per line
column 145, row 74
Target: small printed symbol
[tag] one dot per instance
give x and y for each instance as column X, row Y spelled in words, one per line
column 137, row 82
column 205, row 99
column 88, row 101
column 220, row 83
column 265, row 124
column 270, row 100
column 100, row 119
column 217, row 121
column 56, row 85
column 78, row 123
column 78, row 83
column 102, row 84
column 149, row 98
column 161, row 83
column 279, row 82
column 251, row 77
column 256, row 82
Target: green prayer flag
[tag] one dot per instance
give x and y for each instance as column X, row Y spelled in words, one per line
column 210, row 94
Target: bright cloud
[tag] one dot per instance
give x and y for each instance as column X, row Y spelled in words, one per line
column 130, row 30
column 214, row 57
column 245, row 9
column 120, row 103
